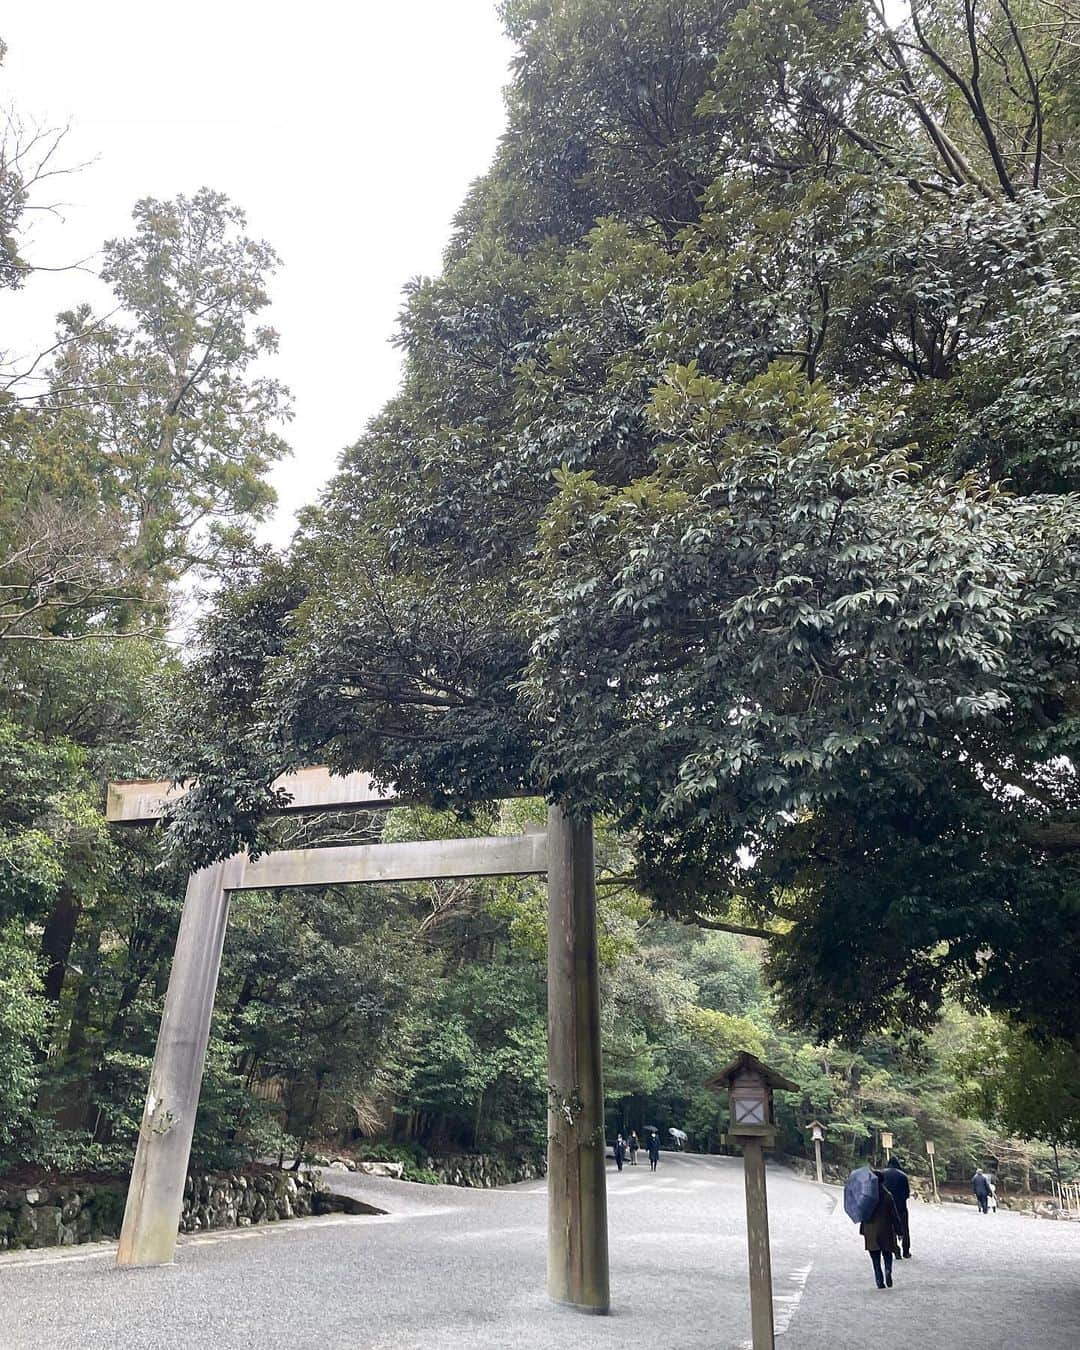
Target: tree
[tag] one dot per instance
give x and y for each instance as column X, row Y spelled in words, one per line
column 28, row 158
column 22, row 1029
column 1027, row 1088
column 176, row 431
column 144, row 458
column 727, row 493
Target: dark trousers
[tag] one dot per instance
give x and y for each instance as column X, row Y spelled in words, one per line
column 905, row 1230
column 982, row 1199
column 876, row 1258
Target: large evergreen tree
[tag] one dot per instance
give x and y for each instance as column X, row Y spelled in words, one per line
column 729, row 492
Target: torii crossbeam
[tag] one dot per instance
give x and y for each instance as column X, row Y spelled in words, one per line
column 577, row 1196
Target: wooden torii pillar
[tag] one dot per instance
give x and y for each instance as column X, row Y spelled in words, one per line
column 577, row 1196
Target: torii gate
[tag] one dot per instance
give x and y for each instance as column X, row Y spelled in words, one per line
column 577, row 1193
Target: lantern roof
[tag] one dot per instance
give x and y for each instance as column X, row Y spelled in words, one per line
column 815, row 1125
column 744, row 1062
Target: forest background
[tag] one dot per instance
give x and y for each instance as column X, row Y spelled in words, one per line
column 710, row 351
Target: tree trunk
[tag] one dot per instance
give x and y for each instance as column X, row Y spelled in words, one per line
column 80, row 1012
column 57, row 940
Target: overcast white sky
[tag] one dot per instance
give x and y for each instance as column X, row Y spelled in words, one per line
column 348, row 132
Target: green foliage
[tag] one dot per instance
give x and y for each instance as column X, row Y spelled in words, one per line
column 178, row 430
column 1027, row 1088
column 479, row 1058
column 729, row 495
column 50, row 831
column 138, row 450
column 22, row 1032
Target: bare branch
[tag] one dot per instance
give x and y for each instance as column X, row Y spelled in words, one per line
column 1033, row 86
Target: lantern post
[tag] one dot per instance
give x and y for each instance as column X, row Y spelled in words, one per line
column 817, row 1133
column 750, row 1085
column 933, row 1170
column 886, row 1144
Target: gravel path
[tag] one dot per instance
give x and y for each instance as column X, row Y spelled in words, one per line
column 449, row 1269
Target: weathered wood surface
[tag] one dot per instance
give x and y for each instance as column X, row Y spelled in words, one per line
column 142, row 801
column 757, row 1242
column 156, row 1194
column 577, row 1184
column 427, row 860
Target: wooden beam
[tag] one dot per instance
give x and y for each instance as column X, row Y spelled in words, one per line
column 142, row 801
column 577, row 1182
column 156, row 1194
column 492, row 856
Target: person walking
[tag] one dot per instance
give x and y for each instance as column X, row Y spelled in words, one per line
column 654, row 1149
column 991, row 1199
column 880, row 1233
column 619, row 1151
column 895, row 1180
column 980, row 1184
column 634, row 1146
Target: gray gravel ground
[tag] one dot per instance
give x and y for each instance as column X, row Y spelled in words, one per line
column 450, row 1269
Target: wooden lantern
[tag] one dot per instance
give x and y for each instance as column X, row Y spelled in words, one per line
column 750, row 1086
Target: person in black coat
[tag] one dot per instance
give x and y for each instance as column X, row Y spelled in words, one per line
column 654, row 1149
column 980, row 1184
column 895, row 1181
column 880, row 1232
column 619, row 1151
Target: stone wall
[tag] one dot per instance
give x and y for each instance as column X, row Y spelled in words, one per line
column 60, row 1215
column 487, row 1169
column 240, row 1199
column 63, row 1214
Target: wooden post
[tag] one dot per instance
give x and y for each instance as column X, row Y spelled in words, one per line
column 577, row 1185
column 933, row 1175
column 757, row 1243
column 817, row 1160
column 156, row 1194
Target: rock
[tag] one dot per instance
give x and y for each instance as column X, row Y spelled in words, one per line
column 26, row 1228
column 395, row 1170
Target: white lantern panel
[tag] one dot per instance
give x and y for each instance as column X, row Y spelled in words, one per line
column 749, row 1111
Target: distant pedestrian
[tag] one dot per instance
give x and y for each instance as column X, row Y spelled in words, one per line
column 991, row 1199
column 895, row 1181
column 980, row 1184
column 620, row 1151
column 880, row 1233
column 635, row 1144
column 654, row 1149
